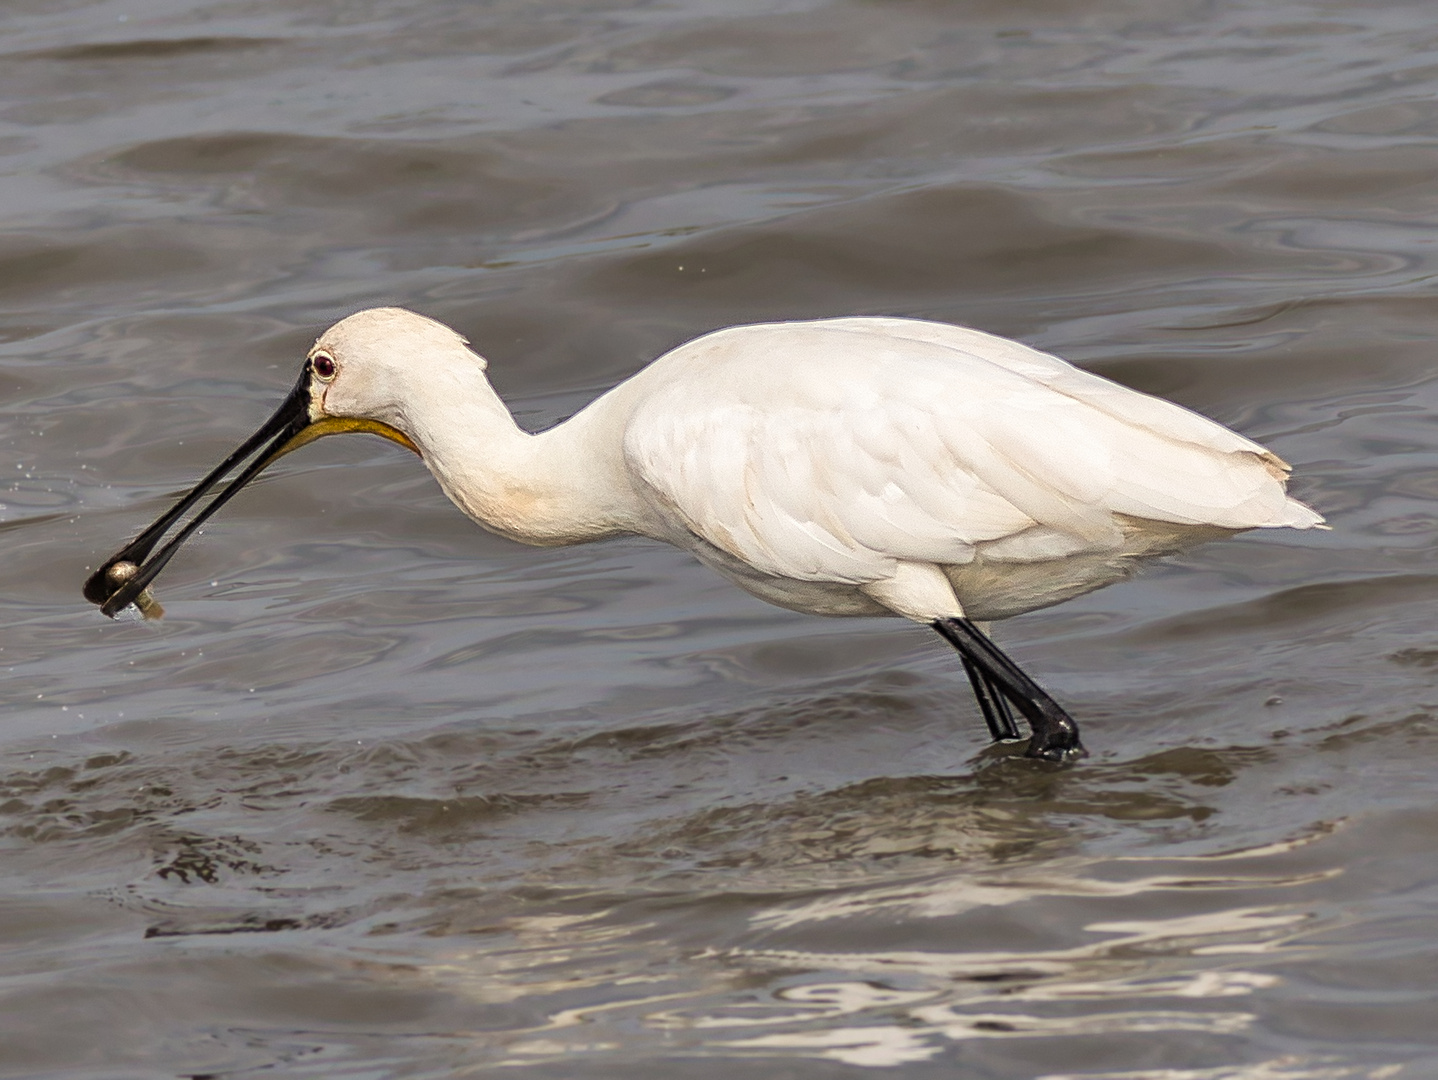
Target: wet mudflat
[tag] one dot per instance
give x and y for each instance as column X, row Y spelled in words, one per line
column 386, row 796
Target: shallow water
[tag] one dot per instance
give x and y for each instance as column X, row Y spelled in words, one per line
column 386, row 796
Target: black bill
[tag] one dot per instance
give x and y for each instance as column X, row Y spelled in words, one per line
column 115, row 585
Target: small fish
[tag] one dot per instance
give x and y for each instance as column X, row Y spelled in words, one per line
column 119, row 573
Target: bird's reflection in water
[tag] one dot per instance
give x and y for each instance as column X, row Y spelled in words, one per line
column 1174, row 948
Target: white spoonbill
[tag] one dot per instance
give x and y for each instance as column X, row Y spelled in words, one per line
column 859, row 466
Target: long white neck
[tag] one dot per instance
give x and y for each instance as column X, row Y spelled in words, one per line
column 562, row 486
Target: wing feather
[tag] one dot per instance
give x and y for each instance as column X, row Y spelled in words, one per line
column 829, row 451
column 1142, row 410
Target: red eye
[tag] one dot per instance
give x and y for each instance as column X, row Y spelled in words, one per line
column 323, row 366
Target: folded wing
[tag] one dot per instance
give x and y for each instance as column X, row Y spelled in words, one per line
column 830, row 451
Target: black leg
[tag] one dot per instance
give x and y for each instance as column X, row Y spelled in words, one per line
column 996, row 692
column 1055, row 735
column 991, row 703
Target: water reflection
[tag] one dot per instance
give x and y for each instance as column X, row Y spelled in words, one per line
column 889, row 1008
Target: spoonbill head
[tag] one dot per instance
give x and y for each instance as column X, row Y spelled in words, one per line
column 860, row 466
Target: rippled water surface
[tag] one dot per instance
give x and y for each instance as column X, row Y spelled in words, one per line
column 386, row 796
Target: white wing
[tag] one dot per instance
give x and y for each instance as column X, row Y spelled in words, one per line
column 829, row 451
column 1153, row 414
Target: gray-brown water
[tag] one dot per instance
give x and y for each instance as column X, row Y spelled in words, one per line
column 386, row 796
